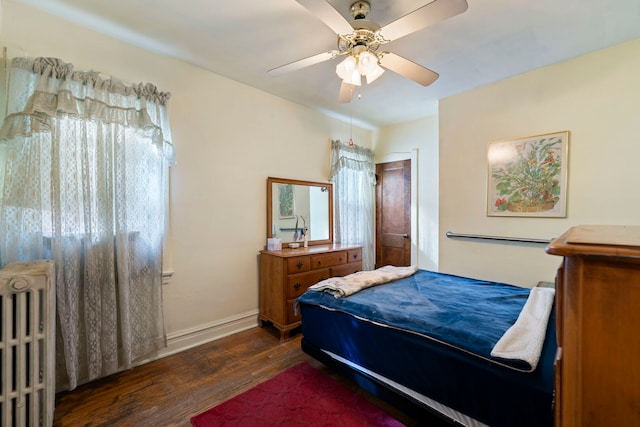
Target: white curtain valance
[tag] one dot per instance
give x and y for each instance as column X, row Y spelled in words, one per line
column 44, row 88
column 353, row 157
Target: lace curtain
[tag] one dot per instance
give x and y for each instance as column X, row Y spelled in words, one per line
column 85, row 183
column 353, row 176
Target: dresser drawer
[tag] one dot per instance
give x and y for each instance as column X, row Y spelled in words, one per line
column 354, row 255
column 328, row 260
column 298, row 264
column 298, row 283
column 346, row 269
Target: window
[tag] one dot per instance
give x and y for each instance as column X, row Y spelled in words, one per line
column 85, row 184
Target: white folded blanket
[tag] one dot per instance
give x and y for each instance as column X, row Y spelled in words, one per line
column 524, row 339
column 348, row 285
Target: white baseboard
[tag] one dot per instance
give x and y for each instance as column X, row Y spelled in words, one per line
column 193, row 337
column 188, row 338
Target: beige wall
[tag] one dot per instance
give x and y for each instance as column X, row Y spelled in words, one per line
column 229, row 138
column 596, row 98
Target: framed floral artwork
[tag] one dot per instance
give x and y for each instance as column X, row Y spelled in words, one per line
column 527, row 177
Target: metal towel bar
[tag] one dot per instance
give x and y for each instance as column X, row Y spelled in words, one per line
column 500, row 238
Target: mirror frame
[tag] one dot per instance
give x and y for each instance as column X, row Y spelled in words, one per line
column 272, row 180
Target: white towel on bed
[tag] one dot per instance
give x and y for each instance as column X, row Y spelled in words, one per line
column 348, row 285
column 524, row 339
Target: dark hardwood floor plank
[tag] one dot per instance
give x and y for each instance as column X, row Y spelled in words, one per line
column 169, row 391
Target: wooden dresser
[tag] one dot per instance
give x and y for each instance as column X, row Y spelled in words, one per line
column 286, row 274
column 598, row 315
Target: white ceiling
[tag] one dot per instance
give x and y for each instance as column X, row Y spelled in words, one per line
column 242, row 39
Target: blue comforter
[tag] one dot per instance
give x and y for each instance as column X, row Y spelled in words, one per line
column 463, row 313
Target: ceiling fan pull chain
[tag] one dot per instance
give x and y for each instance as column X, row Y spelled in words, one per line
column 351, row 131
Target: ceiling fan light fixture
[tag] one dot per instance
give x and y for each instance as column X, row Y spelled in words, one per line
column 375, row 73
column 366, row 62
column 353, row 78
column 345, row 68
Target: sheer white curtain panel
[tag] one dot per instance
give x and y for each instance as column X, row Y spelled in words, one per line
column 353, row 175
column 85, row 183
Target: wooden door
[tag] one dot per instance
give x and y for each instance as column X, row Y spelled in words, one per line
column 393, row 213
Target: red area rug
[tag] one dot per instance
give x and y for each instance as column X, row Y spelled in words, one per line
column 299, row 396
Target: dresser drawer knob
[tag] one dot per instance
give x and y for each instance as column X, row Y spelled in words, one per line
column 355, row 256
column 297, row 286
column 299, row 265
column 319, row 263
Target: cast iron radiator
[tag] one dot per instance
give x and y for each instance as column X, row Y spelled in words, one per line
column 27, row 344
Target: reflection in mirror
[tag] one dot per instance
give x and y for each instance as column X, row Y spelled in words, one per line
column 296, row 209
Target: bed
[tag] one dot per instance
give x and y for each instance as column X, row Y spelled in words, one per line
column 425, row 343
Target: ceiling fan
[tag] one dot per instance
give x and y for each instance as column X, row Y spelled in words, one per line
column 360, row 41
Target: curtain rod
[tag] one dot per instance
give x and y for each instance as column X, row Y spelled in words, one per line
column 500, row 238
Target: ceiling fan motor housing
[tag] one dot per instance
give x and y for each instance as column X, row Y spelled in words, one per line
column 359, row 40
column 366, row 33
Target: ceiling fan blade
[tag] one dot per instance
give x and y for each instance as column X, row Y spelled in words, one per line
column 327, row 14
column 346, row 93
column 296, row 65
column 429, row 14
column 409, row 69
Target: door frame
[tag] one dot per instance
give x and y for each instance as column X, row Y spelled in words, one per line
column 413, row 156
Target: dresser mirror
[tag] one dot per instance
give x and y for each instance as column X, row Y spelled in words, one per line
column 299, row 209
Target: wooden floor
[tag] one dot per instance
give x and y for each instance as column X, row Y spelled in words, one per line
column 169, row 391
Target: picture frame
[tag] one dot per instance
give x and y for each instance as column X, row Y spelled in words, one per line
column 286, row 201
column 527, row 177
